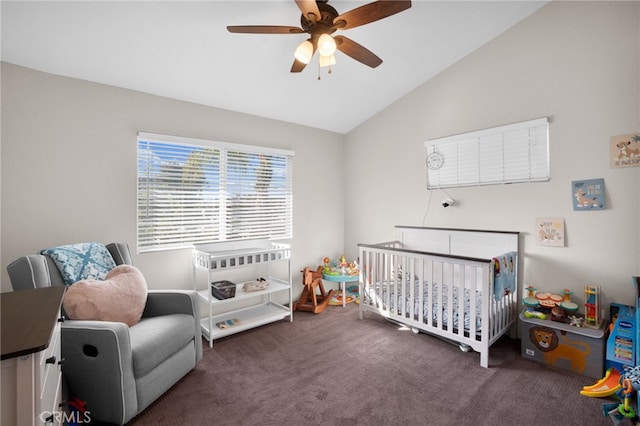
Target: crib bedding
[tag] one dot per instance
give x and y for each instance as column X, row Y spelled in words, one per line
column 433, row 310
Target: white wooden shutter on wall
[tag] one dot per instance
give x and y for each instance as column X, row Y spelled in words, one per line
column 507, row 154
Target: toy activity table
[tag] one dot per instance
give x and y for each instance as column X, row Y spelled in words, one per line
column 342, row 280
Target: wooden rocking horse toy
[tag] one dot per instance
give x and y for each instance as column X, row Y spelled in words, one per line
column 310, row 300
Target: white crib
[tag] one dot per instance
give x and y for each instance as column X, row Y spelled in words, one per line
column 457, row 284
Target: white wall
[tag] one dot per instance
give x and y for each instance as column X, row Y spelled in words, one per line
column 68, row 155
column 575, row 62
column 69, row 169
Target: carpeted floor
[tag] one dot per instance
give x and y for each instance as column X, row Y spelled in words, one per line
column 334, row 369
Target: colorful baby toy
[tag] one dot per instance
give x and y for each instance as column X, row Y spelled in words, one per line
column 339, row 266
column 530, row 301
column 530, row 313
column 625, row 408
column 592, row 305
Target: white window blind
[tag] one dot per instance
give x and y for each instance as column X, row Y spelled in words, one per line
column 507, row 154
column 193, row 191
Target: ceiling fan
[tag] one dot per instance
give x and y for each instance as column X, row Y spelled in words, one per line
column 320, row 21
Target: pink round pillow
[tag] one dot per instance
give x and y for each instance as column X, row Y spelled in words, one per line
column 121, row 297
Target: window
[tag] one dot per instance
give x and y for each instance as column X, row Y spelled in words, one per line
column 507, row 154
column 193, row 191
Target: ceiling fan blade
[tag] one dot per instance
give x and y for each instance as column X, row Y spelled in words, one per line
column 308, row 7
column 264, row 29
column 297, row 66
column 357, row 51
column 370, row 12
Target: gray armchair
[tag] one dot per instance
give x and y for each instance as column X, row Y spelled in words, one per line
column 119, row 370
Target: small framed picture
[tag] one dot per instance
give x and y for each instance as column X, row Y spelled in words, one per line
column 550, row 231
column 588, row 194
column 625, row 150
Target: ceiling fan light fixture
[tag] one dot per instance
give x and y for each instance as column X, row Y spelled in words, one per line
column 319, row 21
column 327, row 61
column 326, row 45
column 304, row 52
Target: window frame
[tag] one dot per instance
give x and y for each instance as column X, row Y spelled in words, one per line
column 209, row 201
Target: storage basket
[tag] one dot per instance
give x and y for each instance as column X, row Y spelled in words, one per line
column 223, row 289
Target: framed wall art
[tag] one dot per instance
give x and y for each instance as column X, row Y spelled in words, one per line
column 550, row 231
column 588, row 194
column 624, row 150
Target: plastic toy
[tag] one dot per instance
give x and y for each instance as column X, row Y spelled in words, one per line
column 607, row 386
column 343, row 264
column 327, row 265
column 530, row 313
column 566, row 303
column 625, row 408
column 576, row 321
column 567, row 295
column 621, row 344
column 339, row 266
column 542, row 295
column 556, row 298
column 618, row 412
column 530, row 301
column 544, row 299
column 592, row 305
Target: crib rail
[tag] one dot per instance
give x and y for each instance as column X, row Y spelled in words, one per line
column 449, row 296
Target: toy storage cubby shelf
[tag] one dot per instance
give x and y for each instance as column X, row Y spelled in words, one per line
column 217, row 258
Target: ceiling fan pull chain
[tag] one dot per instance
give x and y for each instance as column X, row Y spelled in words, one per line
column 329, row 70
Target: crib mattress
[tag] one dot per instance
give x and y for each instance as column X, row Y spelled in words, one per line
column 379, row 295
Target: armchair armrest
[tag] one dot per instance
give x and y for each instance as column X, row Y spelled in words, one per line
column 100, row 352
column 166, row 302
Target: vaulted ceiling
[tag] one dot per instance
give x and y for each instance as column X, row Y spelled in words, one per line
column 183, row 50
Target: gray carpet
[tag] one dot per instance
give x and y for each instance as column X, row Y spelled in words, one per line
column 334, row 369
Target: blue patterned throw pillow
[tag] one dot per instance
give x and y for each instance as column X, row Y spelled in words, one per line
column 81, row 261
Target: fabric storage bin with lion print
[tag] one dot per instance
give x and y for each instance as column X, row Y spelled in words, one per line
column 564, row 346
